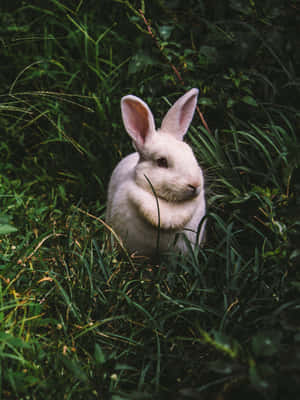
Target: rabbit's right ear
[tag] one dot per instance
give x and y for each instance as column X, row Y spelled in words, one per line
column 138, row 120
column 180, row 115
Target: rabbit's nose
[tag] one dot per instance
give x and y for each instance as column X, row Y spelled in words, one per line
column 194, row 189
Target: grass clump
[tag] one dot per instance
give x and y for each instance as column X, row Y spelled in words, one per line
column 79, row 320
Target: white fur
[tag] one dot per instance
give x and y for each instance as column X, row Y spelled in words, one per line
column 132, row 209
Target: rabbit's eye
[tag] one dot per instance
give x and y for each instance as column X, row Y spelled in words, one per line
column 162, row 162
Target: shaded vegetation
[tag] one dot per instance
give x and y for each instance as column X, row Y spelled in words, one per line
column 79, row 321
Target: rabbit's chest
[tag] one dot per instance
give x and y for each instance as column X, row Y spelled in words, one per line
column 138, row 235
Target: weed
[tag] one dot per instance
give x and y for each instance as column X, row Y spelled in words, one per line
column 78, row 320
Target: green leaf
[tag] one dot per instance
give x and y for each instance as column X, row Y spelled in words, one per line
column 4, row 219
column 240, row 6
column 295, row 254
column 5, row 229
column 230, row 103
column 221, row 366
column 75, row 368
column 205, row 101
column 12, row 341
column 266, row 344
column 250, row 100
column 256, row 379
column 139, row 62
column 99, row 355
column 165, row 31
column 208, row 55
column 297, row 337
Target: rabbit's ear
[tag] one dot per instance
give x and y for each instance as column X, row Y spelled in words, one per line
column 180, row 115
column 138, row 119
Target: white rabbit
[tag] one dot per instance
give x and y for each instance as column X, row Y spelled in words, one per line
column 165, row 165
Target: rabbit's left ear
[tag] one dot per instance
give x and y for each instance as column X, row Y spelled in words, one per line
column 138, row 120
column 180, row 115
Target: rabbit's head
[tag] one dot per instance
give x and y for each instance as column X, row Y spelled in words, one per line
column 165, row 160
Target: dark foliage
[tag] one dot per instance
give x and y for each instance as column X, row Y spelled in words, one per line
column 78, row 321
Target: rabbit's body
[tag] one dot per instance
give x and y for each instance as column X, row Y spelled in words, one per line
column 164, row 171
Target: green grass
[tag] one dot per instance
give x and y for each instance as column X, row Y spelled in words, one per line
column 78, row 320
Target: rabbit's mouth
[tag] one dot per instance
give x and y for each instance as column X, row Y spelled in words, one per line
column 189, row 193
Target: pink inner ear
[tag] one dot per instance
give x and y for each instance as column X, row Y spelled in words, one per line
column 187, row 112
column 136, row 120
column 178, row 118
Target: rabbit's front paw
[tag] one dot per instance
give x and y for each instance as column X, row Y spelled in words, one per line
column 175, row 216
column 160, row 213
